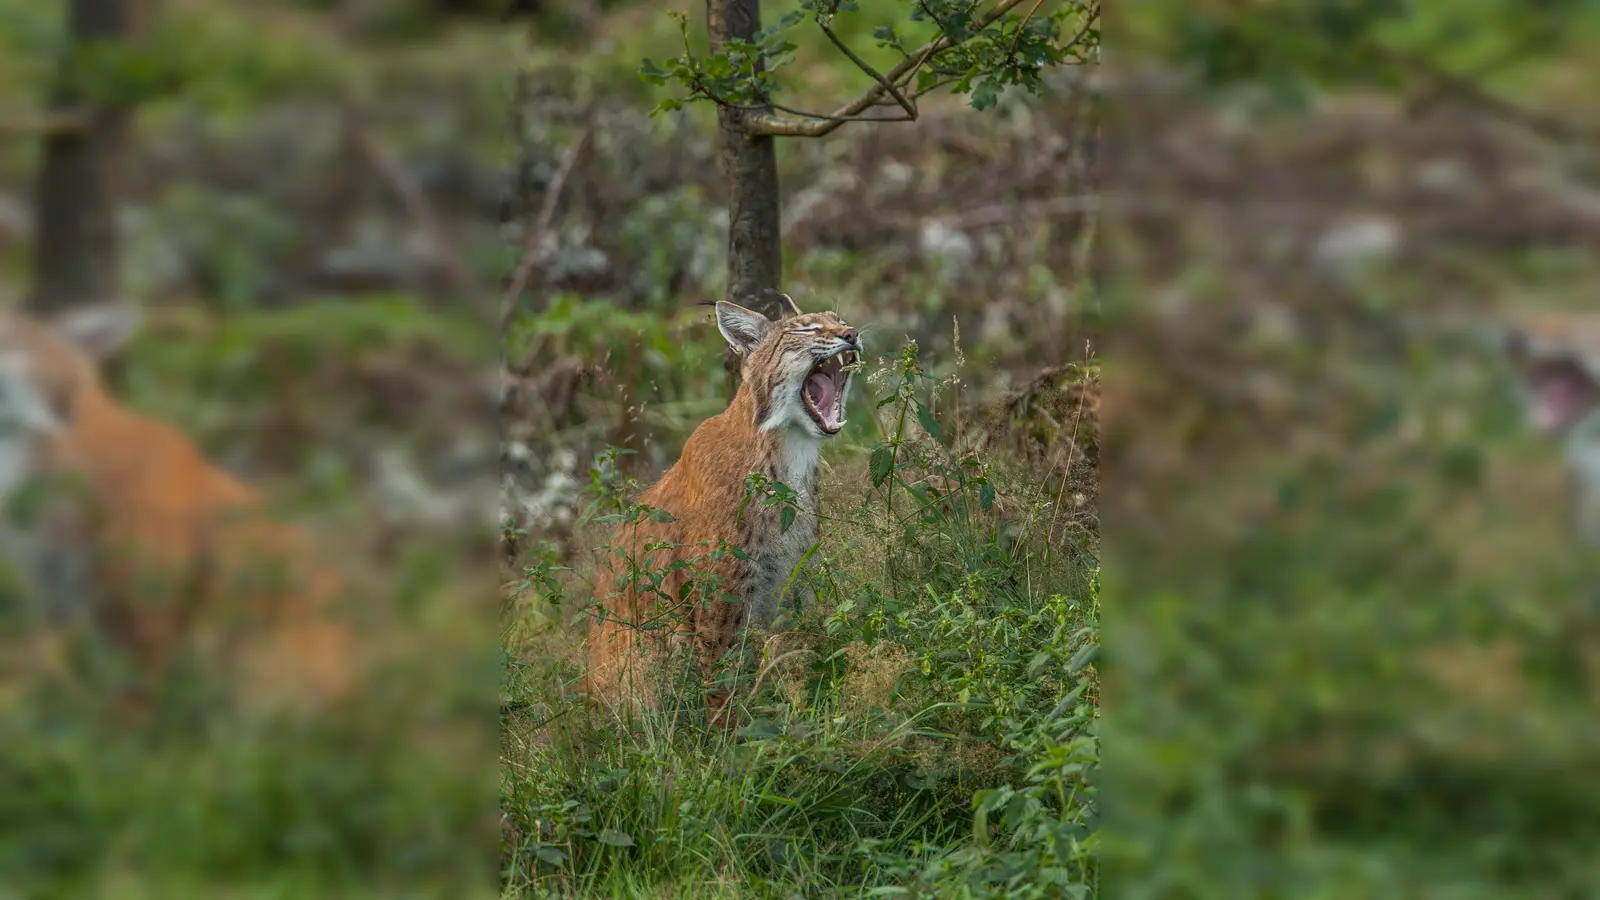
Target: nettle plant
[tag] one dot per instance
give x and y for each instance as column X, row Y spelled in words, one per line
column 952, row 44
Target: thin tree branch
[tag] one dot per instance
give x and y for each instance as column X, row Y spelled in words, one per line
column 806, row 114
column 536, row 233
column 702, row 90
column 862, row 64
column 1448, row 84
column 413, row 198
column 826, row 117
column 1011, row 51
column 785, row 127
column 1088, row 23
column 1515, row 53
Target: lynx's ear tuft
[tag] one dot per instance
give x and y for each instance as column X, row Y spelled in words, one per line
column 100, row 330
column 743, row 329
column 786, row 305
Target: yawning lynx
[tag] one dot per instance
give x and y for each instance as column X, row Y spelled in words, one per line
column 796, row 380
column 153, row 544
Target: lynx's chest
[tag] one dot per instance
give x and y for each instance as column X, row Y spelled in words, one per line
column 776, row 549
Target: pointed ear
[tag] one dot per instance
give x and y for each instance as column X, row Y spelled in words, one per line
column 743, row 329
column 100, row 330
column 787, row 306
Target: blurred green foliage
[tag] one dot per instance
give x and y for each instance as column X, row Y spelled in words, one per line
column 1292, row 47
column 1353, row 646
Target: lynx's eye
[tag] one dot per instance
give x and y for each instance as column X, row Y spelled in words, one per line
column 804, row 329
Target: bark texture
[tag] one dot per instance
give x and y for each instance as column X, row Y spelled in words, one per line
column 750, row 169
column 76, row 251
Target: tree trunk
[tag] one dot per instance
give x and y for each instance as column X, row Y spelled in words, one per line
column 750, row 169
column 75, row 258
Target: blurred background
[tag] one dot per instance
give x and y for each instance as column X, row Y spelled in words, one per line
column 302, row 200
column 1353, row 632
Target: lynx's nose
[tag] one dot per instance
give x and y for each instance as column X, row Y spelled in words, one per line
column 851, row 335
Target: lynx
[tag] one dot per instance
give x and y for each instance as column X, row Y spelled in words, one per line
column 796, row 374
column 146, row 541
column 1556, row 357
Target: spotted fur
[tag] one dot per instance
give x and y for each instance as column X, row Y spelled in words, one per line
column 766, row 429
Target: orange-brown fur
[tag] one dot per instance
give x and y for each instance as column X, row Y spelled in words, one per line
column 703, row 492
column 172, row 549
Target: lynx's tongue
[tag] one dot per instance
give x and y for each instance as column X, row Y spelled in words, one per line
column 1561, row 396
column 822, row 391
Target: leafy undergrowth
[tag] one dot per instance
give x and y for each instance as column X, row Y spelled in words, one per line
column 926, row 727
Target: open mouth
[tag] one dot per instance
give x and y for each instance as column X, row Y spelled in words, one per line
column 1561, row 393
column 824, row 389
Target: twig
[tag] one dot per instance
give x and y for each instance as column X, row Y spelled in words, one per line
column 1088, row 23
column 1066, row 462
column 825, row 117
column 1426, row 99
column 1011, row 51
column 413, row 198
column 780, row 126
column 1447, row 83
column 806, row 114
column 535, row 235
column 862, row 64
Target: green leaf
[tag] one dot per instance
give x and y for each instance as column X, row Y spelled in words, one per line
column 555, row 856
column 785, row 519
column 660, row 515
column 980, row 827
column 611, row 837
column 880, row 465
column 1083, row 658
column 929, row 423
column 985, row 94
column 671, row 104
column 1039, row 661
column 760, row 730
column 649, row 71
column 986, row 496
